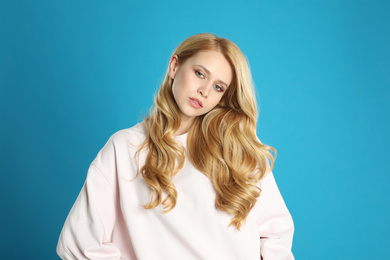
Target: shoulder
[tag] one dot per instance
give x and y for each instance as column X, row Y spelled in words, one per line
column 133, row 135
column 121, row 145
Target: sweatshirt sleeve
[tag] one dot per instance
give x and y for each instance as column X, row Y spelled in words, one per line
column 275, row 224
column 88, row 228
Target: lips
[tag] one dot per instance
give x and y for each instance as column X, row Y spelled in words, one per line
column 196, row 102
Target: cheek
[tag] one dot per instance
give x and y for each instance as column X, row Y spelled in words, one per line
column 212, row 103
column 185, row 82
column 179, row 85
column 217, row 100
column 176, row 94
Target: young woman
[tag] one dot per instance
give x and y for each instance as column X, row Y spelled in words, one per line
column 192, row 181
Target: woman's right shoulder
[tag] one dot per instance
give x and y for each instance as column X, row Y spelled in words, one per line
column 121, row 146
column 134, row 135
column 125, row 141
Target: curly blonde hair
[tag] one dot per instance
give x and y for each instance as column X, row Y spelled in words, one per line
column 232, row 157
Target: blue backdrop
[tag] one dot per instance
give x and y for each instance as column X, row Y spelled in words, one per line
column 74, row 72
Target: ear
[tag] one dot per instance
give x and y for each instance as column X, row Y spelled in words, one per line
column 173, row 66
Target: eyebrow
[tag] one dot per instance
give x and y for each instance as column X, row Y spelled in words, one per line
column 208, row 72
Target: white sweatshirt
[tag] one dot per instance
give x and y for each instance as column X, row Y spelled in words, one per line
column 108, row 221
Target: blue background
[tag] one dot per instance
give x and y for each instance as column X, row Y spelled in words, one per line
column 74, row 72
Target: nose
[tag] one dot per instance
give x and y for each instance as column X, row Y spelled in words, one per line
column 204, row 90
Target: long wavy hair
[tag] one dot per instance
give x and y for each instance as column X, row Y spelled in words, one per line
column 232, row 156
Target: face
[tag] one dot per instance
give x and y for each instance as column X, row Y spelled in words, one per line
column 199, row 83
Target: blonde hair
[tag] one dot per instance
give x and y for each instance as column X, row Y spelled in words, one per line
column 232, row 157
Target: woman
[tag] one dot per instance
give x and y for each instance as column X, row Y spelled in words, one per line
column 190, row 182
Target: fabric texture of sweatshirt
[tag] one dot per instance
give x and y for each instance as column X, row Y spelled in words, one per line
column 108, row 220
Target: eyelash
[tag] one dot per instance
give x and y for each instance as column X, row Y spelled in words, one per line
column 218, row 88
column 201, row 75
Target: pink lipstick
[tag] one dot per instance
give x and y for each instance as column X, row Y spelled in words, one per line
column 196, row 103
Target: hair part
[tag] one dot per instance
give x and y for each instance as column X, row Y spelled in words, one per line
column 232, row 157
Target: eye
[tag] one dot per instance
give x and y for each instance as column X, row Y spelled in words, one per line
column 199, row 74
column 218, row 88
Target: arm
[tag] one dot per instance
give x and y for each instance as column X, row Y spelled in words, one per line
column 87, row 231
column 275, row 225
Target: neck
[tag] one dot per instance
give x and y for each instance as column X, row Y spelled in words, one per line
column 185, row 126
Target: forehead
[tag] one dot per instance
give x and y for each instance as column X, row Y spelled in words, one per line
column 215, row 62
